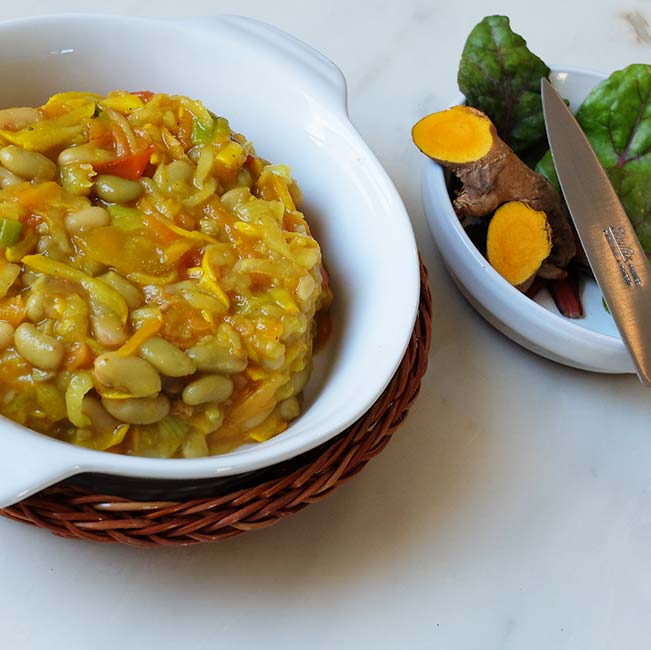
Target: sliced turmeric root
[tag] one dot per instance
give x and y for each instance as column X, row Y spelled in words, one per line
column 459, row 135
column 465, row 141
column 517, row 243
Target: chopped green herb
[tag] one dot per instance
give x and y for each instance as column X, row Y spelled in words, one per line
column 219, row 131
column 200, row 134
column 9, row 231
column 125, row 218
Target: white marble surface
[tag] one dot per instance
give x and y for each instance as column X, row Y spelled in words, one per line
column 513, row 509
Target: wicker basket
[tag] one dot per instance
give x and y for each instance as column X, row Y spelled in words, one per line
column 72, row 511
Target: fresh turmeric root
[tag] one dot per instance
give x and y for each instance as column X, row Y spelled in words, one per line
column 517, row 243
column 465, row 141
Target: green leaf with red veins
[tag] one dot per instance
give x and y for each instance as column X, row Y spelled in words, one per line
column 500, row 76
column 616, row 118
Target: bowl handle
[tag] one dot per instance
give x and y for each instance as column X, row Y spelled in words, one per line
column 321, row 70
column 26, row 468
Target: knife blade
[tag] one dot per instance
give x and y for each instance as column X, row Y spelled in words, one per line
column 614, row 252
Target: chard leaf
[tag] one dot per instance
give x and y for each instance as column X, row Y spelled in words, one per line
column 500, row 76
column 616, row 118
column 546, row 167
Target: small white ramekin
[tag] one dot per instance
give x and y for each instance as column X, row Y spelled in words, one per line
column 592, row 343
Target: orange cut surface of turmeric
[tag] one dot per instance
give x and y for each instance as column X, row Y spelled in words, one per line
column 517, row 243
column 458, row 135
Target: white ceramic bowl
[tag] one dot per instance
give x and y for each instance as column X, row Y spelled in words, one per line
column 591, row 343
column 291, row 102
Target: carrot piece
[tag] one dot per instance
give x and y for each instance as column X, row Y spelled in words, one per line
column 36, row 195
column 12, row 310
column 184, row 135
column 130, row 166
column 80, row 356
column 149, row 328
column 282, row 192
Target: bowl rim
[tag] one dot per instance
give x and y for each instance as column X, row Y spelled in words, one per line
column 66, row 459
column 503, row 297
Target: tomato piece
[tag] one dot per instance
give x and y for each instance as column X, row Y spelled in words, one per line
column 185, row 221
column 254, row 165
column 260, row 282
column 31, row 221
column 184, row 325
column 130, row 166
column 189, row 260
column 145, row 95
column 158, row 231
column 100, row 134
column 120, row 142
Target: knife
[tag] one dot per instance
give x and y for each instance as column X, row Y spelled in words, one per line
column 614, row 252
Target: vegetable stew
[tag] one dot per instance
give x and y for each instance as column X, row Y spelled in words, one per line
column 159, row 286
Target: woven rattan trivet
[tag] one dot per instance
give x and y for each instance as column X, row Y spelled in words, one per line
column 71, row 511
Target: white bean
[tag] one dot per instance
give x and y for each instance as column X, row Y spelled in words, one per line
column 114, row 189
column 29, row 278
column 39, row 349
column 131, row 294
column 6, row 334
column 84, row 153
column 19, row 117
column 88, row 218
column 166, row 357
column 296, row 384
column 236, row 197
column 212, row 356
column 138, row 410
column 132, row 375
column 102, row 422
column 300, row 379
column 212, row 388
column 289, row 409
column 213, row 416
column 108, row 330
column 7, row 179
column 35, row 307
column 27, row 164
column 180, row 171
column 8, row 275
